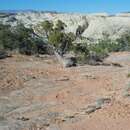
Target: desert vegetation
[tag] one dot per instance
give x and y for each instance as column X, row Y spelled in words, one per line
column 25, row 41
column 21, row 39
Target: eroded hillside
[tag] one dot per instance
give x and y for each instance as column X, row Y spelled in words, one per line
column 97, row 24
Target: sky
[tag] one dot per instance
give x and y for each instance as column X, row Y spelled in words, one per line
column 81, row 6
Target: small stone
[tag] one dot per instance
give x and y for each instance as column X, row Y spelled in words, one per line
column 90, row 109
column 23, row 119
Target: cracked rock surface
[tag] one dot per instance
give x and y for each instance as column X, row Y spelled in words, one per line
column 38, row 94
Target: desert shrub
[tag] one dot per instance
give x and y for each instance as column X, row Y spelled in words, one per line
column 59, row 39
column 99, row 50
column 25, row 40
column 124, row 42
column 81, row 51
column 60, row 26
column 28, row 47
column 47, row 26
column 95, row 52
column 7, row 38
column 105, row 44
column 22, row 39
column 56, row 38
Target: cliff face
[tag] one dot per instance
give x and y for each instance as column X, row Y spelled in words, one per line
column 98, row 24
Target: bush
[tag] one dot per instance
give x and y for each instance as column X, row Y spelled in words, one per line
column 124, row 42
column 81, row 51
column 20, row 38
column 47, row 26
column 59, row 39
column 95, row 52
column 6, row 38
column 60, row 26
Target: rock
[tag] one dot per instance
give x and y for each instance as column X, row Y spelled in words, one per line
column 65, row 78
column 4, row 128
column 3, row 123
column 117, row 65
column 100, row 102
column 53, row 127
column 90, row 109
column 3, row 55
column 126, row 92
column 98, row 23
column 23, row 118
column 69, row 62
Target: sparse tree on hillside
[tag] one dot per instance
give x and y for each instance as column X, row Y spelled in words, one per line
column 47, row 27
column 60, row 26
column 61, row 40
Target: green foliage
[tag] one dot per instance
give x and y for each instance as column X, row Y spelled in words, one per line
column 47, row 26
column 7, row 39
column 27, row 47
column 60, row 26
column 96, row 51
column 56, row 38
column 71, row 36
column 25, row 40
column 81, row 48
column 20, row 38
column 81, row 51
column 101, row 49
column 61, row 40
column 124, row 42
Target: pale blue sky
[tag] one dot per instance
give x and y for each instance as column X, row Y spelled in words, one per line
column 86, row 6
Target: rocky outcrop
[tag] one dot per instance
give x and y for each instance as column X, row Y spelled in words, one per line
column 98, row 24
column 37, row 94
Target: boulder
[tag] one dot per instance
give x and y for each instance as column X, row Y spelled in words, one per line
column 69, row 61
column 4, row 55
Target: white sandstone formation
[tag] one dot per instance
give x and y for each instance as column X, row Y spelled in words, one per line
column 98, row 24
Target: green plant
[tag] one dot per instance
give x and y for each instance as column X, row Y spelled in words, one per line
column 22, row 39
column 82, row 52
column 7, row 38
column 60, row 26
column 124, row 42
column 59, row 39
column 47, row 26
